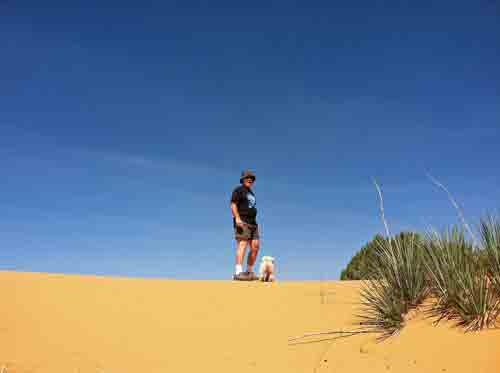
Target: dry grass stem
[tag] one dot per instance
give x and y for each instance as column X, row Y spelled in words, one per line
column 455, row 204
column 349, row 332
column 382, row 208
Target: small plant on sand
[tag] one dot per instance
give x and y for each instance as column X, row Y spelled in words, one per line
column 400, row 285
column 459, row 281
column 459, row 277
column 490, row 240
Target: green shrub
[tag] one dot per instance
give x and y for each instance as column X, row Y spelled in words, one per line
column 362, row 264
column 358, row 267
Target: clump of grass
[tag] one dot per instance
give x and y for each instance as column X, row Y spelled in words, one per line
column 382, row 311
column 462, row 277
column 490, row 240
column 459, row 281
column 400, row 284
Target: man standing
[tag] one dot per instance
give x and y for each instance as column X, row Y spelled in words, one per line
column 246, row 229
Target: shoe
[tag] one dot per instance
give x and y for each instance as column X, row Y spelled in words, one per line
column 252, row 276
column 242, row 276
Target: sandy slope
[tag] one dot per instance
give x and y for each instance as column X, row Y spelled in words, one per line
column 66, row 323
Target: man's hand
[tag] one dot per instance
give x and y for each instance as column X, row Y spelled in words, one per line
column 236, row 215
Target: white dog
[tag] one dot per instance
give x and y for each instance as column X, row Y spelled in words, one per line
column 267, row 269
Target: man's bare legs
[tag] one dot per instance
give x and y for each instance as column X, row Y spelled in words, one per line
column 241, row 246
column 252, row 256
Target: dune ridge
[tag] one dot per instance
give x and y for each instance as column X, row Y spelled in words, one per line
column 74, row 323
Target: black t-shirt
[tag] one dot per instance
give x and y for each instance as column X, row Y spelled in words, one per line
column 245, row 202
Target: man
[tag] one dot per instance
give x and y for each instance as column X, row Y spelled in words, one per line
column 246, row 229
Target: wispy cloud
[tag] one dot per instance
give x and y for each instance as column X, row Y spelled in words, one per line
column 137, row 161
column 143, row 162
column 23, row 145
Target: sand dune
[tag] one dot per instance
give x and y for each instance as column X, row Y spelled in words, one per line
column 67, row 323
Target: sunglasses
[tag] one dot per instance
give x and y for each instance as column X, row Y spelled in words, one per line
column 249, row 180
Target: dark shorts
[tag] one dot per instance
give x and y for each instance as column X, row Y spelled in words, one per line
column 246, row 232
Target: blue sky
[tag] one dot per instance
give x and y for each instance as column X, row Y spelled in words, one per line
column 124, row 127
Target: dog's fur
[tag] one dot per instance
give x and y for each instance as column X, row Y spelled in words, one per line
column 267, row 269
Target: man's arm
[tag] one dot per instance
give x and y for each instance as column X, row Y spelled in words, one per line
column 236, row 215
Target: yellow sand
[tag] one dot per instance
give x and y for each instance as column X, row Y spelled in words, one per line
column 58, row 323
